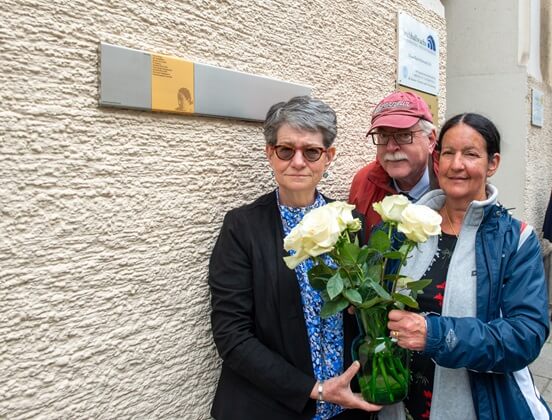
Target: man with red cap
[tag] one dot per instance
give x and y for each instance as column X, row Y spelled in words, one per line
column 406, row 161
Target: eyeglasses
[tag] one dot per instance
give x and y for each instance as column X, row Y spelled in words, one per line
column 311, row 154
column 400, row 137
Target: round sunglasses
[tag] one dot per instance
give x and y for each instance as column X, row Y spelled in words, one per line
column 310, row 153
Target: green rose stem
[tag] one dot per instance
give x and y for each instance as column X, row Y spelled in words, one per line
column 391, row 365
column 384, row 376
column 381, row 360
column 403, row 259
column 405, row 372
column 374, row 377
column 389, row 233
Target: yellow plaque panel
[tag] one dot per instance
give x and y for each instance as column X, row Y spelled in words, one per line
column 431, row 101
column 172, row 84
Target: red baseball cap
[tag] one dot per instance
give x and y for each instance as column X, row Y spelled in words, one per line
column 400, row 110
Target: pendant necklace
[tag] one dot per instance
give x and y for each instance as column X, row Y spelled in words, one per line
column 450, row 222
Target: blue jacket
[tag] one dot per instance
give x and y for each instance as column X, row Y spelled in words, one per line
column 511, row 323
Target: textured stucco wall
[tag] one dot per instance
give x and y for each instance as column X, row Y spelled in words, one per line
column 539, row 140
column 546, row 39
column 107, row 217
column 538, row 183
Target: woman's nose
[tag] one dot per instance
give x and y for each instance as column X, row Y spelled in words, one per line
column 457, row 161
column 298, row 160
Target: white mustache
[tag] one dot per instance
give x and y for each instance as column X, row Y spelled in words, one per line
column 395, row 156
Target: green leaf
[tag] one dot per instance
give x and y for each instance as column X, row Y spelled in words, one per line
column 318, row 283
column 369, row 303
column 346, row 278
column 418, row 285
column 380, row 291
column 332, row 307
column 393, row 255
column 379, row 241
column 353, row 296
column 373, row 272
column 405, row 247
column 321, row 270
column 364, row 254
column 319, row 276
column 366, row 291
column 334, row 286
column 407, row 300
column 349, row 253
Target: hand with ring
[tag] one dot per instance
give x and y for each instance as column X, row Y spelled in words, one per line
column 412, row 327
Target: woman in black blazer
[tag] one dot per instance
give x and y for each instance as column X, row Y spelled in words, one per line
column 280, row 359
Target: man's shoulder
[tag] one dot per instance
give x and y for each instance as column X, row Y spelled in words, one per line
column 373, row 173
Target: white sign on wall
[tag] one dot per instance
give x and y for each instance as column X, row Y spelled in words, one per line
column 537, row 108
column 418, row 60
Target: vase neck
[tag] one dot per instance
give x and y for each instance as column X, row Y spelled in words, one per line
column 373, row 321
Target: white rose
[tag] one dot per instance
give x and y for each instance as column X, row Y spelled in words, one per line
column 316, row 234
column 402, row 283
column 294, row 260
column 391, row 207
column 354, row 226
column 419, row 222
column 344, row 214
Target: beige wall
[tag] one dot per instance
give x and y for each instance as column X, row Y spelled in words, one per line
column 538, row 183
column 546, row 40
column 539, row 142
column 108, row 217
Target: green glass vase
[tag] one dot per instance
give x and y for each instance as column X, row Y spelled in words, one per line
column 384, row 374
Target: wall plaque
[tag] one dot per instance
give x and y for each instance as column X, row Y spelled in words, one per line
column 141, row 80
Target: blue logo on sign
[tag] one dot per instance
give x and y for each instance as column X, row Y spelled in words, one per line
column 431, row 43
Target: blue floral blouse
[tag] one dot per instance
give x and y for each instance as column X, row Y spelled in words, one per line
column 325, row 335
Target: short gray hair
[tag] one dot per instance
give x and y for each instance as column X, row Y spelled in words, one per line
column 426, row 126
column 302, row 113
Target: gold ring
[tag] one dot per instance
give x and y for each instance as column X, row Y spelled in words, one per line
column 395, row 334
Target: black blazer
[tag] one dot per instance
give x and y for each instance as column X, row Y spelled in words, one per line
column 257, row 320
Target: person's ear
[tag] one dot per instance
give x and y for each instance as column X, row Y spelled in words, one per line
column 432, row 140
column 493, row 165
column 269, row 151
column 330, row 155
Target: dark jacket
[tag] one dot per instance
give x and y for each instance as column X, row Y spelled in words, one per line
column 257, row 320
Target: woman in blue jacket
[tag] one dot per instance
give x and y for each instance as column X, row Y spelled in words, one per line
column 484, row 317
